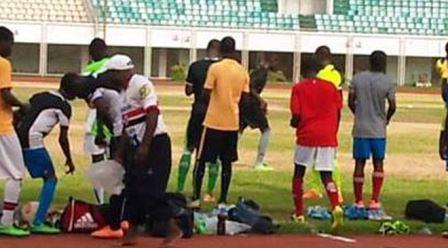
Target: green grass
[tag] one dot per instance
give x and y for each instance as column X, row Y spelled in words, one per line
column 413, row 168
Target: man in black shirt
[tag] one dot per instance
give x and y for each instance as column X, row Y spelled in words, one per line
column 197, row 74
column 253, row 113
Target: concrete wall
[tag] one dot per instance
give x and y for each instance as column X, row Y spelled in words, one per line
column 309, row 7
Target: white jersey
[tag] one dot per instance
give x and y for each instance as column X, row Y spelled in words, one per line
column 113, row 100
column 136, row 99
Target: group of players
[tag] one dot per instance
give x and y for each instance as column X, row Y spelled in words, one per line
column 126, row 124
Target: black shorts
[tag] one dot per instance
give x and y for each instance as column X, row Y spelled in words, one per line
column 218, row 144
column 151, row 177
column 194, row 130
column 253, row 116
column 146, row 183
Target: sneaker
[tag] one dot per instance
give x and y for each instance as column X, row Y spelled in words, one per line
column 298, row 219
column 108, row 233
column 209, row 198
column 196, row 204
column 338, row 217
column 44, row 229
column 262, row 167
column 356, row 212
column 312, row 194
column 378, row 214
column 13, row 231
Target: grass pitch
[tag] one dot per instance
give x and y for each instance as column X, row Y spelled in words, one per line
column 413, row 168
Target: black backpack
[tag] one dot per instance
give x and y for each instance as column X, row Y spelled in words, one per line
column 426, row 211
column 248, row 212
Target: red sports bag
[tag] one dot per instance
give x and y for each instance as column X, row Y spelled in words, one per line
column 81, row 217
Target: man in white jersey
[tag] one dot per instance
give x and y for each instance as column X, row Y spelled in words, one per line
column 144, row 150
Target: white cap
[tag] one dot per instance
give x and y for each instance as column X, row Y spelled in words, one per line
column 119, row 62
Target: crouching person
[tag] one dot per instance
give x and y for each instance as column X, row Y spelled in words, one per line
column 145, row 152
column 47, row 109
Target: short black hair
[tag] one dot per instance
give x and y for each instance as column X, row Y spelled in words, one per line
column 6, row 34
column 213, row 44
column 69, row 82
column 378, row 61
column 323, row 50
column 310, row 65
column 98, row 49
column 228, row 45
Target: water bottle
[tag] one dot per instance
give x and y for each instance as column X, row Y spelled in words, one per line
column 222, row 217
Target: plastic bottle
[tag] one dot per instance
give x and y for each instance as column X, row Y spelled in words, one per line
column 222, row 217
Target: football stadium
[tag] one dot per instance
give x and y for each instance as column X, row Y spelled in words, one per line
column 223, row 123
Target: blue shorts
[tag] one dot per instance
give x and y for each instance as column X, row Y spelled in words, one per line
column 364, row 148
column 38, row 162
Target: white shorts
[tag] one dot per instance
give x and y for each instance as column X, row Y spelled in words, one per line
column 322, row 158
column 89, row 140
column 11, row 158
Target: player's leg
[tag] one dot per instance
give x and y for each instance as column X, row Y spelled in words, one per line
column 12, row 169
column 97, row 153
column 314, row 191
column 213, row 174
column 378, row 154
column 263, row 144
column 361, row 152
column 325, row 165
column 303, row 158
column 99, row 192
column 39, row 164
column 191, row 136
column 207, row 151
column 337, row 176
column 297, row 193
column 226, row 178
column 228, row 154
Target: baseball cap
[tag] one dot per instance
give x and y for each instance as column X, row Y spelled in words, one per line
column 118, row 62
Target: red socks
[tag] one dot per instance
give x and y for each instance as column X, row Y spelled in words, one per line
column 332, row 192
column 377, row 185
column 297, row 193
column 358, row 183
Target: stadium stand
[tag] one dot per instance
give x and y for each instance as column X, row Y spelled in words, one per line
column 45, row 10
column 413, row 17
column 199, row 13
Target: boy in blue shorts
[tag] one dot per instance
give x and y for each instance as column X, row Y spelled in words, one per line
column 47, row 109
column 368, row 94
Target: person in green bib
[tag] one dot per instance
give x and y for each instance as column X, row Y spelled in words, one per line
column 330, row 74
column 99, row 56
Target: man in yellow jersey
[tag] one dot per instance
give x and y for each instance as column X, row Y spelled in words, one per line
column 227, row 83
column 329, row 73
column 12, row 167
column 442, row 69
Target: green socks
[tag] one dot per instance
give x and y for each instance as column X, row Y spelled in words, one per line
column 213, row 172
column 184, row 166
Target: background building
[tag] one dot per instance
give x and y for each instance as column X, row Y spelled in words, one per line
column 52, row 35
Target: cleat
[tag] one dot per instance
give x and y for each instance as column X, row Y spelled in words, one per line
column 107, row 233
column 262, row 167
column 209, row 198
column 298, row 219
column 378, row 214
column 44, row 229
column 13, row 231
column 338, row 217
column 312, row 194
